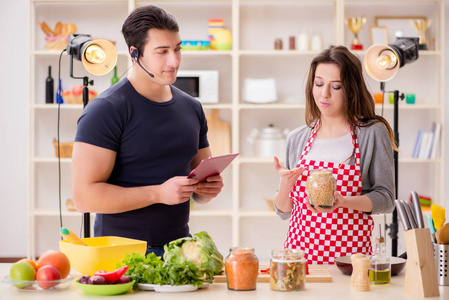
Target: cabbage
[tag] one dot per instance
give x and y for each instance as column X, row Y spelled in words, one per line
column 199, row 250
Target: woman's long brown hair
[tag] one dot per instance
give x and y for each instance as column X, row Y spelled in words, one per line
column 359, row 102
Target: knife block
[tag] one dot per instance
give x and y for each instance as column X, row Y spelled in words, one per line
column 420, row 273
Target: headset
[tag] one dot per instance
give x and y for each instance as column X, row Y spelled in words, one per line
column 135, row 55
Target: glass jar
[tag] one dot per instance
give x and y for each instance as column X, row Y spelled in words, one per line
column 320, row 188
column 242, row 268
column 287, row 270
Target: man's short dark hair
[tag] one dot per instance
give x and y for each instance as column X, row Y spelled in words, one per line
column 142, row 19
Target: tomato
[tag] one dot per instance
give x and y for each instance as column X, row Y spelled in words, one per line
column 45, row 274
column 57, row 259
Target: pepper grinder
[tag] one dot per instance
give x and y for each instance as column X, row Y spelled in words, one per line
column 359, row 278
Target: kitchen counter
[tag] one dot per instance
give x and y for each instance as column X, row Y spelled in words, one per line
column 339, row 288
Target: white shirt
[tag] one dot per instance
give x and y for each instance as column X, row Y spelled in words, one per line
column 336, row 150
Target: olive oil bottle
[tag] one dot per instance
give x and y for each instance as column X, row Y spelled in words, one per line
column 380, row 268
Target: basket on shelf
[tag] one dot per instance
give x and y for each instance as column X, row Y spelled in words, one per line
column 269, row 203
column 66, row 148
column 70, row 98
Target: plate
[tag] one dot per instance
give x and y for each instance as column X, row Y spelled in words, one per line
column 105, row 289
column 33, row 286
column 167, row 288
column 345, row 265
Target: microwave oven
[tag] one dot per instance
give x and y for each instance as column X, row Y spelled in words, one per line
column 200, row 84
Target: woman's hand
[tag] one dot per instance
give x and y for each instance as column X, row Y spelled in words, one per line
column 338, row 201
column 287, row 182
column 288, row 177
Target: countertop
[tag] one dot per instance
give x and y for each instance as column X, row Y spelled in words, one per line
column 339, row 288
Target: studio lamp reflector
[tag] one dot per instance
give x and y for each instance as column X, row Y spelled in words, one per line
column 97, row 56
column 382, row 62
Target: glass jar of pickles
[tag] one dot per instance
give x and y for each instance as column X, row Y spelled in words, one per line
column 287, row 270
column 320, row 187
column 242, row 268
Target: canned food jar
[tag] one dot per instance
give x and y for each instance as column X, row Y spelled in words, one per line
column 242, row 268
column 287, row 270
column 320, row 188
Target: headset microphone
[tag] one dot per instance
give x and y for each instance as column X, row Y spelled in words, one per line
column 135, row 55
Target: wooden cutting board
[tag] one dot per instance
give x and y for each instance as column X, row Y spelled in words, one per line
column 317, row 273
column 219, row 134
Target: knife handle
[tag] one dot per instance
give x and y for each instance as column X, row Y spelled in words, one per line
column 410, row 213
column 418, row 211
column 402, row 215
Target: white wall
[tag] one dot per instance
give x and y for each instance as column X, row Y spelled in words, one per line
column 13, row 129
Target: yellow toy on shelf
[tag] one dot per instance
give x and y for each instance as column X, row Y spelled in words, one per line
column 220, row 38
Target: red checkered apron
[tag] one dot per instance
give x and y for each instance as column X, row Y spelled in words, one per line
column 324, row 236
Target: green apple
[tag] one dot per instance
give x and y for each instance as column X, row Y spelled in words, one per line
column 22, row 271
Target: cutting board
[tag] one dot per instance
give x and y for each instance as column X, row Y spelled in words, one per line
column 317, row 273
column 219, row 134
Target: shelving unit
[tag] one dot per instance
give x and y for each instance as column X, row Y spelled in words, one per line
column 239, row 216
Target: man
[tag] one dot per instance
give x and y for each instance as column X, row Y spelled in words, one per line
column 137, row 142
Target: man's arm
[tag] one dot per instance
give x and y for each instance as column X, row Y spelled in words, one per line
column 210, row 188
column 91, row 168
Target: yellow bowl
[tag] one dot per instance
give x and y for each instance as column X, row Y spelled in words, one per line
column 100, row 253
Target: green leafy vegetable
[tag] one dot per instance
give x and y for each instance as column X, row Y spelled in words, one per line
column 200, row 250
column 191, row 260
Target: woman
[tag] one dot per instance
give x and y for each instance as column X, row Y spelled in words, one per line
column 344, row 134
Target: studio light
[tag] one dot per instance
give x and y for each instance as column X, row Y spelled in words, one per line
column 382, row 63
column 98, row 58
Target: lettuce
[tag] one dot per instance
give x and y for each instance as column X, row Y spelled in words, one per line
column 191, row 260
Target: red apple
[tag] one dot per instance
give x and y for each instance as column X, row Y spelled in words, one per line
column 47, row 273
column 77, row 90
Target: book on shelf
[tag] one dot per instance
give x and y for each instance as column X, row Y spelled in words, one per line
column 427, row 143
column 436, row 128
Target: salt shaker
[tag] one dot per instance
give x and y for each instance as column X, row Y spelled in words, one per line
column 359, row 278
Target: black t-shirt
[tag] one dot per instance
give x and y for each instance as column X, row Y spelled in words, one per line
column 154, row 142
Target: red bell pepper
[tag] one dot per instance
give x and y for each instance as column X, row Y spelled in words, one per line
column 114, row 276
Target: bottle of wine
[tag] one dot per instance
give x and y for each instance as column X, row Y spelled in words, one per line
column 49, row 87
column 114, row 79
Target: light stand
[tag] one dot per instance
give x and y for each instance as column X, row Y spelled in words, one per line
column 382, row 63
column 98, row 57
column 394, row 226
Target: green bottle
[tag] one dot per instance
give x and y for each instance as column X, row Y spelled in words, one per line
column 114, row 79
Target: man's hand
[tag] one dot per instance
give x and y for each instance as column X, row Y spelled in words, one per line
column 177, row 190
column 209, row 189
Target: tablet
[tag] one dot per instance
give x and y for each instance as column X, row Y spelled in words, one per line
column 211, row 166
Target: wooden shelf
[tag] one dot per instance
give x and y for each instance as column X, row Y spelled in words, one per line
column 252, row 56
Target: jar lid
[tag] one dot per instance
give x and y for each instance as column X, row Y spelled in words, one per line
column 287, row 254
column 241, row 250
column 320, row 172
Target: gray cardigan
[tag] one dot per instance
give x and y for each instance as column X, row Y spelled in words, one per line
column 376, row 164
